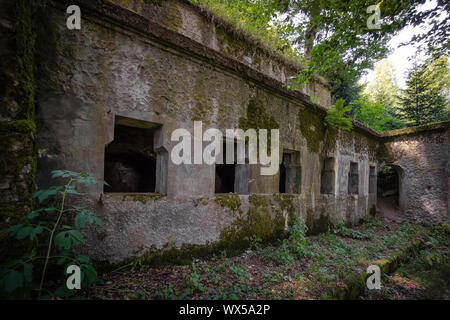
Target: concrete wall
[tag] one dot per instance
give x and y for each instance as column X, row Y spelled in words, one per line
column 121, row 64
column 211, row 31
column 421, row 157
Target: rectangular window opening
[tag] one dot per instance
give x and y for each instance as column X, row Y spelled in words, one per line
column 372, row 180
column 235, row 177
column 353, row 179
column 328, row 177
column 290, row 173
column 131, row 162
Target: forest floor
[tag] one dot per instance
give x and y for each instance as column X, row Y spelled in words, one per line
column 299, row 267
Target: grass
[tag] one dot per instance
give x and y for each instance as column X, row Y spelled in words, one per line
column 299, row 267
column 262, row 33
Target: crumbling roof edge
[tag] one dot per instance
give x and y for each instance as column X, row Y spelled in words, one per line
column 240, row 34
column 126, row 18
column 413, row 130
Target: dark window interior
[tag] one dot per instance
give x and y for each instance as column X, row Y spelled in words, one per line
column 130, row 161
column 225, row 174
column 284, row 161
column 327, row 178
column 353, row 179
column 388, row 185
column 372, row 180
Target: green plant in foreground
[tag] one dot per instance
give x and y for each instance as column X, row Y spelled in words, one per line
column 344, row 231
column 45, row 226
column 297, row 239
column 193, row 284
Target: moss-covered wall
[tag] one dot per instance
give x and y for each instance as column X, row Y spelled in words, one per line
column 104, row 70
column 17, row 126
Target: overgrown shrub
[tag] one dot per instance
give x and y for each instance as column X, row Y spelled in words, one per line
column 26, row 277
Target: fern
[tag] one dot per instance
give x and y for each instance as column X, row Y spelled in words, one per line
column 336, row 116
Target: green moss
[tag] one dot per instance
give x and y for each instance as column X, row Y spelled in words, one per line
column 168, row 255
column 317, row 226
column 413, row 130
column 17, row 137
column 25, row 40
column 16, row 141
column 258, row 118
column 230, row 44
column 19, row 126
column 286, row 204
column 259, row 222
column 232, row 202
column 201, row 201
column 390, row 264
column 355, row 286
column 312, row 128
column 174, row 19
column 143, row 197
column 330, row 138
column 202, row 109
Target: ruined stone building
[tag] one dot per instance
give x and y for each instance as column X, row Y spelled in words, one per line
column 105, row 99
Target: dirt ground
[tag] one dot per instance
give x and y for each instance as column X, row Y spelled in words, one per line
column 299, row 267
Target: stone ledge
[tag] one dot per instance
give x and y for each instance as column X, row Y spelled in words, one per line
column 413, row 130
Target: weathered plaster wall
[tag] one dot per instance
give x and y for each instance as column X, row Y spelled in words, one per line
column 421, row 156
column 88, row 77
column 211, row 31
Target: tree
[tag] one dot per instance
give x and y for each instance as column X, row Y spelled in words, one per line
column 375, row 116
column 382, row 88
column 332, row 36
column 435, row 38
column 423, row 101
column 378, row 105
column 337, row 42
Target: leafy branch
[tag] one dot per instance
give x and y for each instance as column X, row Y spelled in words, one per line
column 38, row 225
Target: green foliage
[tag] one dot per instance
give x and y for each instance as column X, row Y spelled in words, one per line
column 332, row 35
column 336, row 41
column 404, row 232
column 193, row 284
column 424, row 101
column 295, row 246
column 166, row 293
column 257, row 19
column 233, row 291
column 255, row 243
column 344, row 231
column 336, row 116
column 282, row 256
column 375, row 116
column 382, row 88
column 44, row 225
column 297, row 238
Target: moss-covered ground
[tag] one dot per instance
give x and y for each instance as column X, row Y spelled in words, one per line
column 325, row 266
